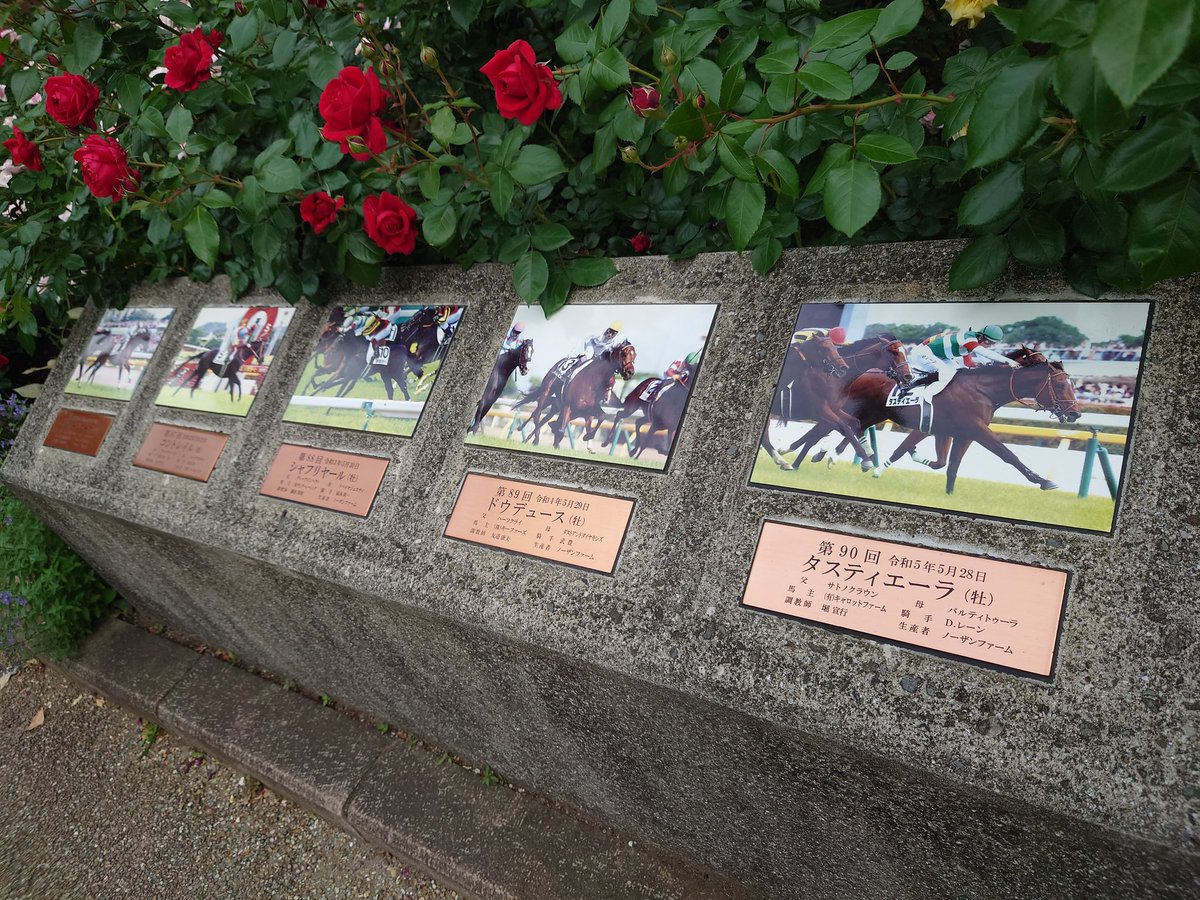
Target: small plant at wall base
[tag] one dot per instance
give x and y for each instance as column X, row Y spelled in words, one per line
column 279, row 141
column 50, row 599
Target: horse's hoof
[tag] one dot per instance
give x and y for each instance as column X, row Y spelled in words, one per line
column 1049, row 486
column 820, row 456
column 866, row 467
column 877, row 473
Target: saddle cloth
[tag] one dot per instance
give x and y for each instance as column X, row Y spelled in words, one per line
column 563, row 370
column 382, row 355
column 900, row 396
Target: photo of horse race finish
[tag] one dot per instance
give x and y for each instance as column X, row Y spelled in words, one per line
column 118, row 352
column 225, row 358
column 1011, row 410
column 611, row 383
column 373, row 367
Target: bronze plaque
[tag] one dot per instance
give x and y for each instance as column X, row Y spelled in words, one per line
column 186, row 452
column 575, row 528
column 985, row 610
column 78, row 431
column 343, row 482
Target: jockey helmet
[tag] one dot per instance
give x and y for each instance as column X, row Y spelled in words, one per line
column 991, row 332
column 518, row 327
column 692, row 358
column 614, row 325
column 837, row 334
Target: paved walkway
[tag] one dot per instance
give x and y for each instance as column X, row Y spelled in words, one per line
column 89, row 810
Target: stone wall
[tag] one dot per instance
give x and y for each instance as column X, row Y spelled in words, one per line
column 810, row 760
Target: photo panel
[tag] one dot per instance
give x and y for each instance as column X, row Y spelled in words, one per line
column 1013, row 410
column 121, row 346
column 224, row 359
column 605, row 383
column 373, row 367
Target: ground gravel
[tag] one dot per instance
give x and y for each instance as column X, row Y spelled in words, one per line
column 89, row 811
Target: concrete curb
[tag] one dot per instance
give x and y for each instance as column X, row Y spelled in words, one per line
column 491, row 843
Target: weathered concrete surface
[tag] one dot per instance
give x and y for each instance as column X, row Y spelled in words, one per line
column 776, row 751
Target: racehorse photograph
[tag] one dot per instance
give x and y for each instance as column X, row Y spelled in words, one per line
column 610, row 384
column 121, row 346
column 1018, row 410
column 373, row 367
column 224, row 359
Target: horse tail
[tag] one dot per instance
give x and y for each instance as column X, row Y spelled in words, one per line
column 179, row 368
column 529, row 396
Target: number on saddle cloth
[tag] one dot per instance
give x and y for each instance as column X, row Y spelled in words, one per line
column 382, row 355
column 653, row 388
column 563, row 370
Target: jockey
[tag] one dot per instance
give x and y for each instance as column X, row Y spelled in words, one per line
column 837, row 334
column 514, row 337
column 944, row 354
column 379, row 327
column 597, row 344
column 682, row 368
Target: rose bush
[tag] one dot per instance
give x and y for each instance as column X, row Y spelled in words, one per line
column 544, row 136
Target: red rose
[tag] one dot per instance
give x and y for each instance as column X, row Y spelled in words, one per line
column 389, row 221
column 24, row 151
column 3, row 360
column 320, row 210
column 524, row 89
column 188, row 62
column 105, row 167
column 350, row 105
column 640, row 243
column 644, row 100
column 319, row 4
column 71, row 100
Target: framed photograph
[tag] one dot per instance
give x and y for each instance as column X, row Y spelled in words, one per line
column 1009, row 410
column 610, row 383
column 225, row 358
column 118, row 352
column 373, row 367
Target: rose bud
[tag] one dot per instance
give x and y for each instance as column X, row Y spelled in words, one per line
column 429, row 57
column 52, row 59
column 644, row 100
column 700, row 100
column 240, row 8
column 680, row 143
column 630, row 154
column 667, row 57
column 360, row 19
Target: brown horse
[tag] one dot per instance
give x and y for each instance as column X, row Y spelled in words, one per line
column 519, row 357
column 810, row 387
column 963, row 411
column 662, row 411
column 578, row 394
column 881, row 353
column 121, row 357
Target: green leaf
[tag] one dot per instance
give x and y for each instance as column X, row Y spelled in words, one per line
column 1150, row 155
column 1007, row 113
column 782, row 59
column 438, row 224
column 774, row 162
column 575, row 43
column 550, row 236
column 1036, row 239
column 826, row 80
column 128, row 89
column 733, row 84
column 1164, row 231
column 1178, row 86
column 1136, row 41
column 429, row 179
column 200, row 229
column 835, row 156
column 280, row 175
column 557, row 291
column 284, row 48
column 501, row 193
column 464, row 12
column 243, row 31
column 1100, row 224
column 1082, row 275
column 253, row 199
column 530, row 276
column 591, row 271
column 610, row 69
column 180, row 13
column 735, row 159
column 84, row 49
column 745, row 203
column 766, row 254
column 151, row 122
column 980, row 263
column 217, row 199
column 159, row 228
column 612, row 22
column 885, row 148
column 323, row 65
column 1056, row 22
column 266, row 242
column 1086, row 95
column 179, row 124
column 852, row 196
column 25, row 83
column 993, row 197
column 843, row 30
column 898, row 61
column 535, row 164
column 363, row 248
column 896, row 19
column 441, row 126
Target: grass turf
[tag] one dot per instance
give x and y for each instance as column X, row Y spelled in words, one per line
column 98, row 390
column 352, row 419
column 547, row 449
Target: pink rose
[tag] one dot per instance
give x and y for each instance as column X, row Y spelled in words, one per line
column 105, row 168
column 389, row 222
column 350, row 105
column 524, row 88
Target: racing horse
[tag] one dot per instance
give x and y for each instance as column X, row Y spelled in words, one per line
column 884, row 353
column 120, row 358
column 102, row 341
column 662, row 407
column 578, row 392
column 963, row 410
column 206, row 362
column 342, row 358
column 810, row 387
column 519, row 357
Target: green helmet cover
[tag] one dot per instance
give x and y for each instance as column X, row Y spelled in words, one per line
column 991, row 332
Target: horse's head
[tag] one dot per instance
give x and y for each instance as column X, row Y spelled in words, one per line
column 1024, row 356
column 1051, row 386
column 897, row 367
column 526, row 356
column 821, row 352
column 623, row 354
column 252, row 348
column 142, row 334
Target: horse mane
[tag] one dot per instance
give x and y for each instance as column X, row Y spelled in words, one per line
column 863, row 343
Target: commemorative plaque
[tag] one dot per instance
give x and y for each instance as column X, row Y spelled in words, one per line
column 342, row 482
column 186, row 452
column 1003, row 614
column 78, row 431
column 575, row 528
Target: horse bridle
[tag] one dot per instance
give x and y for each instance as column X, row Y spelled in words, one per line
column 826, row 363
column 891, row 371
column 1058, row 408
